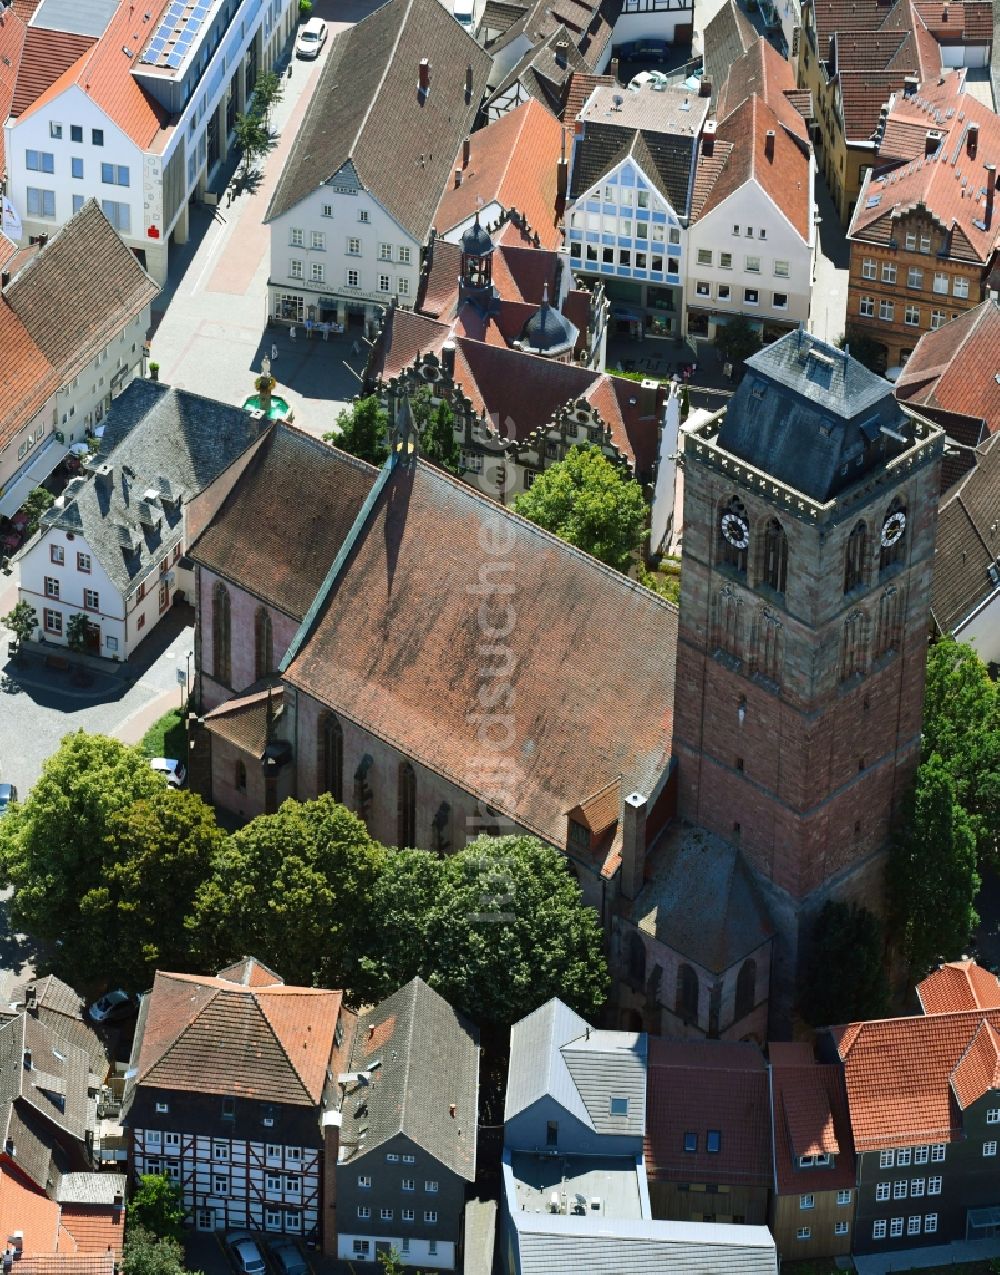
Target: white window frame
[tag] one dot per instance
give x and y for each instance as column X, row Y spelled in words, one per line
column 883, row 1190
column 895, row 1228
column 807, row 1201
column 869, row 269
column 878, row 1229
column 930, row 1223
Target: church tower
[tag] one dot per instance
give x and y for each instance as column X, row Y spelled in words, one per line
column 809, row 515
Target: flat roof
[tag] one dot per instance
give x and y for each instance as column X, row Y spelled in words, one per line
column 79, row 17
column 671, row 110
column 181, row 26
column 576, row 1182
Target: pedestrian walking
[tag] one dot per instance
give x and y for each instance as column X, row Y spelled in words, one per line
column 274, row 352
column 292, row 333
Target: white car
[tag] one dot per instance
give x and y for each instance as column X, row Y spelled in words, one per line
column 171, row 770
column 311, row 38
column 246, row 1253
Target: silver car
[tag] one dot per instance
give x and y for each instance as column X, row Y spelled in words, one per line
column 246, row 1254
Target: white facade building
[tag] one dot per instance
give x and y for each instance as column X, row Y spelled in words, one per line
column 141, row 120
column 627, row 224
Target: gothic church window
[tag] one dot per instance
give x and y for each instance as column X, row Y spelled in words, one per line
column 746, row 989
column 889, row 635
column 767, row 646
column 687, row 994
column 221, row 635
column 406, row 831
column 331, row 756
column 855, row 558
column 263, row 644
column 773, row 567
column 854, row 648
column 729, row 623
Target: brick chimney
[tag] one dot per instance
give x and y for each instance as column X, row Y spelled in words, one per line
column 972, row 140
column 458, row 178
column 932, row 140
column 708, row 138
column 448, row 358
column 424, row 72
column 910, row 85
column 633, row 844
column 705, row 87
column 769, row 145
column 331, row 1155
column 562, row 49
column 466, row 152
column 991, row 187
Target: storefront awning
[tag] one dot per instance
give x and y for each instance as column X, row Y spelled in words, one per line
column 623, row 312
column 31, row 475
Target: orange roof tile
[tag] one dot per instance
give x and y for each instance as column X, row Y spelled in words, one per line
column 25, row 1208
column 12, row 37
column 959, row 985
column 810, row 1117
column 512, row 162
column 762, row 70
column 45, row 59
column 94, row 1229
column 978, row 1070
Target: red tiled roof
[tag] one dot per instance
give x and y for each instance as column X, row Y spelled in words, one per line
column 23, row 1207
column 243, row 721
column 512, row 162
column 12, row 36
column 784, row 176
column 845, row 15
column 958, row 21
column 810, row 1117
column 581, row 85
column 966, row 547
column 764, row 72
column 593, row 701
column 94, row 1229
column 45, row 59
column 694, row 1087
column 898, row 1073
column 210, row 1035
column 950, row 185
column 977, row 1072
column 956, row 986
column 954, row 369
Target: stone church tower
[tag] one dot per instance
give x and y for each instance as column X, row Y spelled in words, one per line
column 809, row 517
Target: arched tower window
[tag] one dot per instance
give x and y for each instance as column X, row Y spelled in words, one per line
column 241, row 776
column 729, row 622
column 406, row 827
column 892, row 538
column 889, row 635
column 767, row 645
column 263, row 644
column 331, row 756
column 221, row 635
column 636, row 960
column 854, row 648
column 855, row 558
column 734, row 536
column 687, row 994
column 746, row 989
column 773, row 563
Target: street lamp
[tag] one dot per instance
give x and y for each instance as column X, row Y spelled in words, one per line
column 183, row 674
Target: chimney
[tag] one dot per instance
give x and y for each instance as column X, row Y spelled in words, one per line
column 451, row 1110
column 425, row 75
column 944, row 12
column 708, row 138
column 561, row 50
column 458, row 178
column 42, row 240
column 932, row 140
column 4, row 278
column 613, row 69
column 769, row 145
column 972, row 140
column 468, row 83
column 27, row 1060
column 104, row 477
column 910, row 85
column 466, row 152
column 9, row 1147
column 371, row 1030
column 448, row 358
column 991, row 186
column 633, row 844
column 705, row 87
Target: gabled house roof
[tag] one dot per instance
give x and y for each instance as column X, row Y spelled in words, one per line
column 763, row 72
column 13, row 32
column 59, row 1008
column 162, row 447
column 810, row 1117
column 967, row 547
column 512, row 162
column 697, row 1087
column 728, row 36
column 761, row 151
column 223, row 1035
column 545, row 71
column 426, row 1086
column 301, row 497
column 368, row 121
column 581, row 85
column 555, row 1053
column 594, row 701
column 908, row 1079
column 62, row 308
column 958, row 985
column 954, row 369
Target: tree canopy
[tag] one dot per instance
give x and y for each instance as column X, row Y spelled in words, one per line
column 933, row 881
column 436, row 426
column 156, row 1207
column 498, row 928
column 738, row 339
column 362, row 429
column 294, row 887
column 588, row 502
column 843, row 978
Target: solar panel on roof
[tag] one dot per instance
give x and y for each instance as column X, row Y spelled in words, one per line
column 192, row 26
column 157, row 46
column 174, row 60
column 149, row 56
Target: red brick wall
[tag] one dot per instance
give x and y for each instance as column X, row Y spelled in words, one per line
column 242, row 617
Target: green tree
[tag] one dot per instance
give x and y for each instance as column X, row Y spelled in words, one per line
column 844, row 976
column 39, row 499
column 737, row 340
column 21, row 621
column 295, row 887
column 54, row 844
column 267, row 93
column 252, row 139
column 865, row 349
column 363, row 430
column 157, row 1208
column 932, row 879
column 77, row 627
column 160, row 851
column 436, row 426
column 588, row 502
column 146, row 1254
column 506, row 931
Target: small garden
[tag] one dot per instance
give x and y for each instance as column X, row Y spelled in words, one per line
column 167, row 737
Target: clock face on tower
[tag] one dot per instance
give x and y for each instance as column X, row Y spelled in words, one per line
column 893, row 528
column 736, row 530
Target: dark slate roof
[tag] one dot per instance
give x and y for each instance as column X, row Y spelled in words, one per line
column 548, row 329
column 429, row 1061
column 301, row 497
column 727, row 37
column 967, row 548
column 59, row 1008
column 654, row 128
column 811, row 416
column 367, row 115
column 156, row 439
column 541, row 74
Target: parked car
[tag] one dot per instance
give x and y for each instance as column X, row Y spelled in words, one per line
column 245, row 1253
column 171, row 769
column 642, row 51
column 287, row 1257
column 8, row 793
column 311, row 38
column 113, row 1007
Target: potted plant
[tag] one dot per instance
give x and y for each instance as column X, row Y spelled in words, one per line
column 305, row 10
column 154, row 371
